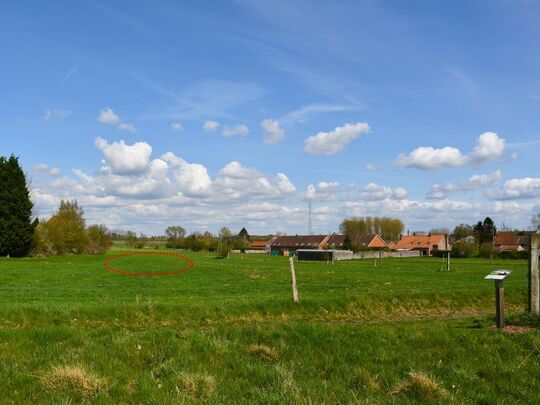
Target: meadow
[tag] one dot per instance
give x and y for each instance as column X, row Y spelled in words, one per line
column 227, row 331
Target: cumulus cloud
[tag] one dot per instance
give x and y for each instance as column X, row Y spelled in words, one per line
column 127, row 127
column 440, row 191
column 237, row 130
column 192, row 178
column 376, row 192
column 371, row 167
column 272, row 132
column 526, row 187
column 284, row 184
column 329, row 143
column 211, row 126
column 176, row 126
column 323, row 191
column 56, row 115
column 121, row 158
column 489, row 146
column 44, row 169
column 107, row 116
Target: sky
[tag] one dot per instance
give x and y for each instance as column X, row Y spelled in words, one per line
column 240, row 113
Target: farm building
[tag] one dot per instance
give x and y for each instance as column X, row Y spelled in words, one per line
column 315, row 255
column 258, row 245
column 505, row 241
column 362, row 241
column 286, row 244
column 426, row 244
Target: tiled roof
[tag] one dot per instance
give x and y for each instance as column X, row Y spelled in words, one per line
column 259, row 244
column 298, row 240
column 418, row 241
column 506, row 238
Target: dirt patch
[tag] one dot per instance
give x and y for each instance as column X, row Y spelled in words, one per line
column 514, row 328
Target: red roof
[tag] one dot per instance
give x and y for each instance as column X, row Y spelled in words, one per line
column 258, row 244
column 409, row 242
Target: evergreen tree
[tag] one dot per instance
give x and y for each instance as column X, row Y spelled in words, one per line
column 243, row 233
column 16, row 226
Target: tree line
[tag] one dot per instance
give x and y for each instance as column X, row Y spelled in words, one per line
column 22, row 235
column 390, row 229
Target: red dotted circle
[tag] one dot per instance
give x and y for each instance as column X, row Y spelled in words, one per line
column 189, row 262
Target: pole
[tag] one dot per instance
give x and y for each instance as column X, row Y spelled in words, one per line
column 534, row 278
column 293, row 276
column 499, row 303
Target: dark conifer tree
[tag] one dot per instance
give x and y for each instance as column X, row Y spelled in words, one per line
column 16, row 226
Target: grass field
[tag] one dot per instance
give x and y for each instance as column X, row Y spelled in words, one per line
column 228, row 331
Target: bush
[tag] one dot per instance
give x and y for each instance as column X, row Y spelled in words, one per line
column 464, row 248
column 65, row 233
column 98, row 240
column 223, row 251
column 487, row 250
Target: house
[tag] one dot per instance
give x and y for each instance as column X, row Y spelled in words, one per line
column 258, row 245
column 362, row 241
column 285, row 244
column 510, row 241
column 426, row 244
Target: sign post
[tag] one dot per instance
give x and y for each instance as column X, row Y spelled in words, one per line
column 534, row 278
column 498, row 276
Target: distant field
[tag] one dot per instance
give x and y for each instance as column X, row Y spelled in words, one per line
column 228, row 331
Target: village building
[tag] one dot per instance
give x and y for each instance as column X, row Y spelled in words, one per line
column 290, row 244
column 510, row 241
column 363, row 242
column 426, row 244
column 284, row 244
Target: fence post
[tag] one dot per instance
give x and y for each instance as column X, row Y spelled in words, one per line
column 534, row 281
column 293, row 276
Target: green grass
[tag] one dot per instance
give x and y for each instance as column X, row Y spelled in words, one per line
column 228, row 331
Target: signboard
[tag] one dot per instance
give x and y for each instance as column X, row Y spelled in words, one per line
column 498, row 275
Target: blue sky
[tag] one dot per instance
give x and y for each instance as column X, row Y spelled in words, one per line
column 235, row 113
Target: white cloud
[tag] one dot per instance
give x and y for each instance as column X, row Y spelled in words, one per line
column 332, row 142
column 56, row 115
column 121, row 158
column 238, row 130
column 107, row 116
column 284, row 184
column 376, row 192
column 127, row 127
column 323, row 191
column 489, row 146
column 192, row 178
column 301, row 115
column 176, row 126
column 44, row 169
column 526, row 187
column 211, row 126
column 272, row 132
column 372, row 168
column 440, row 191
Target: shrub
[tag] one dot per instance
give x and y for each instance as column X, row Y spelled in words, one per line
column 223, row 251
column 98, row 240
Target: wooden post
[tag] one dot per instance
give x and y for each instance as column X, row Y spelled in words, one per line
column 534, row 281
column 293, row 276
column 499, row 303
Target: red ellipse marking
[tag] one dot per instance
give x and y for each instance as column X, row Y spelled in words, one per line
column 131, row 273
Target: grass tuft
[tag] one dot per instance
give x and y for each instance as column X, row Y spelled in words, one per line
column 196, row 385
column 72, row 379
column 420, row 386
column 263, row 351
